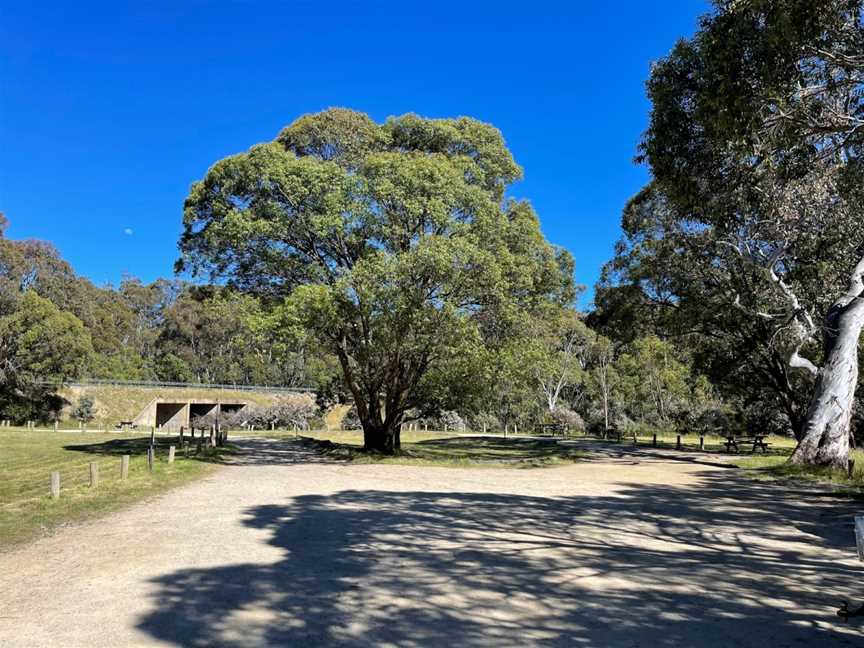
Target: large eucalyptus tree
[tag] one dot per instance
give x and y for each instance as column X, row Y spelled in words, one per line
column 391, row 243
column 755, row 144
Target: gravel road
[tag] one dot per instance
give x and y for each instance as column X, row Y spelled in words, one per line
column 632, row 548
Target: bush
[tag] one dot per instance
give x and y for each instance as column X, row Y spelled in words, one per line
column 351, row 420
column 569, row 419
column 490, row 421
column 84, row 410
column 713, row 419
column 451, row 420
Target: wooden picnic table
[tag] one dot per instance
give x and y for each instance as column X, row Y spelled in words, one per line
column 554, row 429
column 757, row 441
column 124, row 424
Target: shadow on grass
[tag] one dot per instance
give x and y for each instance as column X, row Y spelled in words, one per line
column 137, row 446
column 652, row 565
column 491, row 449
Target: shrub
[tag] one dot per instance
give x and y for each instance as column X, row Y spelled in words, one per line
column 84, row 410
column 569, row 419
column 490, row 421
column 451, row 420
column 351, row 420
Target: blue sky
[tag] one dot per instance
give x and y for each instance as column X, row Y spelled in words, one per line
column 108, row 112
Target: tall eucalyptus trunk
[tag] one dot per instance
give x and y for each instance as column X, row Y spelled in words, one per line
column 826, row 429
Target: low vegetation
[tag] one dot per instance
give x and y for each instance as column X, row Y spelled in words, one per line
column 27, row 459
column 776, row 466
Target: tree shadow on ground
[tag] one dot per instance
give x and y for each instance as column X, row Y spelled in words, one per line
column 489, row 449
column 238, row 451
column 721, row 563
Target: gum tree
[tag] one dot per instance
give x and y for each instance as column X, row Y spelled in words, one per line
column 755, row 144
column 391, row 244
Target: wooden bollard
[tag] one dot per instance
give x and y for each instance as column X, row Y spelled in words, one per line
column 56, row 425
column 701, row 442
column 152, row 435
column 94, row 474
column 124, row 467
column 181, row 436
column 55, row 484
column 484, row 428
column 170, row 454
column 634, row 438
column 678, row 443
column 150, row 458
column 654, row 440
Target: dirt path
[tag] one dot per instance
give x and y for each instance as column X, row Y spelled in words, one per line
column 630, row 549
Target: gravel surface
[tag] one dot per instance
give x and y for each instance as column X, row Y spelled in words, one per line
column 633, row 548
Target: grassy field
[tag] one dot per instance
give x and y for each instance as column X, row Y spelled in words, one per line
column 28, row 457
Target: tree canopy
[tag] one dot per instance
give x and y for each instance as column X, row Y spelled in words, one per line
column 393, row 244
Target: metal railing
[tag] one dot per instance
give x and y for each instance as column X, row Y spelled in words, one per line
column 96, row 382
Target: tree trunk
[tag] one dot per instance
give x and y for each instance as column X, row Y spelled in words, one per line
column 383, row 438
column 826, row 428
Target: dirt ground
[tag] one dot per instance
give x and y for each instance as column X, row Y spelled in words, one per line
column 633, row 548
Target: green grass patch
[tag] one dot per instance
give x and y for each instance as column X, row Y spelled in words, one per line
column 27, row 459
column 439, row 449
column 776, row 467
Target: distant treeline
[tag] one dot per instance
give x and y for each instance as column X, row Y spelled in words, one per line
column 55, row 324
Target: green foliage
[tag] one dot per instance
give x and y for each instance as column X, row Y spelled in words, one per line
column 83, row 410
column 391, row 246
column 757, row 169
column 39, row 344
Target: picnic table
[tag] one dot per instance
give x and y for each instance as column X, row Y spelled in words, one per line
column 554, row 429
column 734, row 442
column 124, row 424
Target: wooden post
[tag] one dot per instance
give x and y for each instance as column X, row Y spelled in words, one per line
column 654, row 440
column 634, row 438
column 56, row 425
column 55, row 484
column 678, row 443
column 701, row 442
column 124, row 467
column 181, row 436
column 515, row 429
column 150, row 458
column 152, row 435
column 94, row 474
column 484, row 428
column 850, row 468
column 80, row 426
column 170, row 454
column 198, row 447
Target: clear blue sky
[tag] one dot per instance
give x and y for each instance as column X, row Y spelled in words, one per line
column 108, row 112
